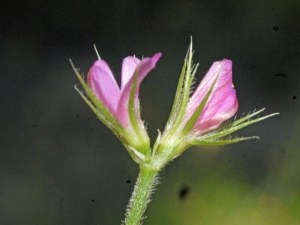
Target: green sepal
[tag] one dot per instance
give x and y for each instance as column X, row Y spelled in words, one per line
column 216, row 142
column 213, row 138
column 156, row 143
column 140, row 132
column 182, row 92
column 193, row 119
column 178, row 97
column 131, row 108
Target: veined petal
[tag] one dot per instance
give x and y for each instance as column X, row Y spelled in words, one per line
column 128, row 67
column 142, row 69
column 103, row 84
column 222, row 103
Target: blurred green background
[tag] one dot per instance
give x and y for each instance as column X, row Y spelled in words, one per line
column 60, row 165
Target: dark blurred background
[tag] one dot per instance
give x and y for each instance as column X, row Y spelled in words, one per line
column 60, row 165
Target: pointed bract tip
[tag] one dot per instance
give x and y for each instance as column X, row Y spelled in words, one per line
column 99, row 58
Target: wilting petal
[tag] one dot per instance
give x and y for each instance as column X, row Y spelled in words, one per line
column 103, row 84
column 143, row 68
column 222, row 103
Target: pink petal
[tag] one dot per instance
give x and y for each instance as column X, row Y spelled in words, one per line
column 146, row 65
column 128, row 67
column 103, row 84
column 222, row 103
column 143, row 68
column 219, row 109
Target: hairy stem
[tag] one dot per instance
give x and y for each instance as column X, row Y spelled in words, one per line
column 144, row 186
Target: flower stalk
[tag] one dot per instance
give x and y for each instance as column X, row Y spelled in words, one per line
column 143, row 189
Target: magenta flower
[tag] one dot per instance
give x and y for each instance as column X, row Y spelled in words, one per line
column 222, row 103
column 104, row 86
column 118, row 107
column 196, row 119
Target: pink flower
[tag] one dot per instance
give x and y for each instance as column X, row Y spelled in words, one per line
column 191, row 119
column 104, row 86
column 222, row 103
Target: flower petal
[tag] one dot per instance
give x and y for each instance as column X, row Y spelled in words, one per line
column 128, row 67
column 143, row 68
column 103, row 84
column 222, row 103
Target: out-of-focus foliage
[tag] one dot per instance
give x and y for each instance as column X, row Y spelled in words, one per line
column 223, row 201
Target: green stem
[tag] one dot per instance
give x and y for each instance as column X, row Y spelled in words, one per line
column 140, row 196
